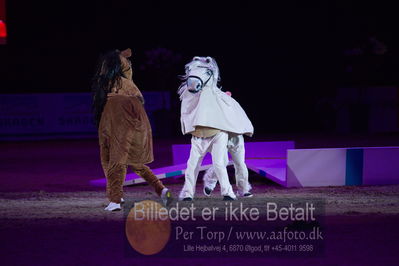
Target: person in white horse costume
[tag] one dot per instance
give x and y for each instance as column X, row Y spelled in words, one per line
column 209, row 115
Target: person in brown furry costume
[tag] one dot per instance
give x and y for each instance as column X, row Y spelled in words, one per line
column 124, row 131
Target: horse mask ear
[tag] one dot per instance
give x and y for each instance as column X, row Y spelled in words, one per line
column 126, row 53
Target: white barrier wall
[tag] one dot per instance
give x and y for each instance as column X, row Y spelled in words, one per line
column 342, row 166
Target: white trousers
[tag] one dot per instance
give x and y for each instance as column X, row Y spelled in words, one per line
column 236, row 148
column 217, row 146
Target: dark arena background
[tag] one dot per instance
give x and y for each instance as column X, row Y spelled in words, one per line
column 318, row 79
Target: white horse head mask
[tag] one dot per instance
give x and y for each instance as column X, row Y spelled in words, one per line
column 200, row 72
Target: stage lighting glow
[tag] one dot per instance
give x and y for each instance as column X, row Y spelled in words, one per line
column 3, row 29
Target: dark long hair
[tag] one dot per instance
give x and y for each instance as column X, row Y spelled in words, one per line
column 108, row 75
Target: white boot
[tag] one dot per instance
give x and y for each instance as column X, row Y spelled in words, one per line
column 112, row 206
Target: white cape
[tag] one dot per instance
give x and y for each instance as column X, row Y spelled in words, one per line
column 213, row 108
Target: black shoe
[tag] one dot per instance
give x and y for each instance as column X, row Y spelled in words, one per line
column 207, row 191
column 188, row 199
column 228, row 198
column 167, row 198
column 248, row 195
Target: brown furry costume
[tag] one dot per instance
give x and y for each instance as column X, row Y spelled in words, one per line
column 125, row 136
